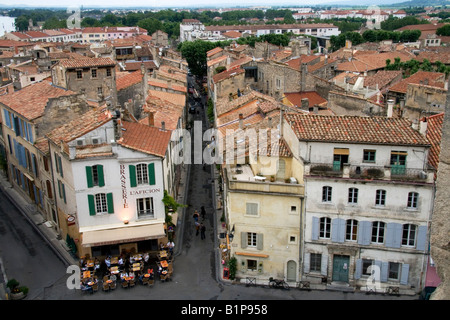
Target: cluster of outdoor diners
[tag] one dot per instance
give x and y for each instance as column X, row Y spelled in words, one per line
column 126, row 270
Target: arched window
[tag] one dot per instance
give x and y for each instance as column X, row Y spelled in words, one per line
column 378, row 228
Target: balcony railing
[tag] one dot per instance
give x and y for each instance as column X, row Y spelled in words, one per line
column 392, row 173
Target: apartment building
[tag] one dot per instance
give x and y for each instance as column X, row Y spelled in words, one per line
column 109, row 173
column 369, row 198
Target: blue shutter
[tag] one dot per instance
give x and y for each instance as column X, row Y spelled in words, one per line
column 364, row 232
column 404, row 275
column 341, row 237
column 358, row 269
column 36, row 199
column 30, row 133
column 384, row 271
column 33, row 164
column 324, row 265
column 315, row 228
column 335, row 230
column 306, row 262
column 7, row 118
column 422, row 238
column 393, row 235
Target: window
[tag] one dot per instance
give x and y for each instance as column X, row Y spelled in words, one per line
column 79, row 74
column 409, row 235
column 326, row 194
column 251, row 209
column 315, row 262
column 394, row 270
column 369, row 156
column 293, row 208
column 141, row 174
column 108, row 72
column 412, row 200
column 380, row 198
column 94, row 176
column 398, row 162
column 366, row 267
column 94, row 73
column 325, row 228
column 353, row 195
column 378, row 228
column 351, row 230
column 100, row 203
column 252, row 264
column 251, row 239
column 99, row 90
column 145, row 207
column 278, row 83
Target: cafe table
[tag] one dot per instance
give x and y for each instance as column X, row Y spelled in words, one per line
column 86, row 274
column 162, row 254
column 164, row 264
column 114, row 270
column 114, row 260
column 136, row 267
column 90, row 263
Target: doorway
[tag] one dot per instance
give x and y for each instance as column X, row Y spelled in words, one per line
column 340, row 268
column 291, row 271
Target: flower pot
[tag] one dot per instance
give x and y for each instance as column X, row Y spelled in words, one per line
column 17, row 295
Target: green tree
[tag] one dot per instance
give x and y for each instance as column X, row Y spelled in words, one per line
column 90, row 22
column 195, row 54
column 21, row 23
column 444, row 30
column 151, row 25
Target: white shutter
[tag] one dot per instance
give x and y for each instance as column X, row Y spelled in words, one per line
column 324, row 265
column 244, row 240
column 259, row 241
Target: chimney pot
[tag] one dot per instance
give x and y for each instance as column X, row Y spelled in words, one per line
column 151, row 119
column 163, row 126
column 390, row 110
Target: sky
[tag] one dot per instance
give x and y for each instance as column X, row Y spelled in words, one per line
column 175, row 3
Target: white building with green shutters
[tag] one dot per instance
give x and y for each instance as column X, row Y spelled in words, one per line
column 369, row 197
column 110, row 179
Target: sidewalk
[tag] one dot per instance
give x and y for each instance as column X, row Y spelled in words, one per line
column 30, row 211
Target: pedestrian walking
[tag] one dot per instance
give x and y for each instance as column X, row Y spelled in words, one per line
column 203, row 212
column 202, row 231
column 195, row 216
column 197, row 227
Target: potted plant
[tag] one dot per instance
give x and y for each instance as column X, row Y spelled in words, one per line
column 272, row 178
column 17, row 292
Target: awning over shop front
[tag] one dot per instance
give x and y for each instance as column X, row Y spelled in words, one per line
column 122, row 235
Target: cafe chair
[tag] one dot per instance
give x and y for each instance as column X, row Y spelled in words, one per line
column 151, row 282
column 145, row 281
column 163, row 277
column 124, row 284
column 105, row 286
column 112, row 285
column 132, row 283
column 95, row 287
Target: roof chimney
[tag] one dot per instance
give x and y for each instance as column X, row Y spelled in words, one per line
column 163, row 126
column 305, row 104
column 241, row 121
column 423, row 126
column 415, row 124
column 270, row 122
column 151, row 119
column 390, row 109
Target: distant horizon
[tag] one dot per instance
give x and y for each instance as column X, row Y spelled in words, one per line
column 106, row 4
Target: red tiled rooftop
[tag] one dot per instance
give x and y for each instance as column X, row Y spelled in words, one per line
column 355, row 129
column 129, row 80
column 313, row 98
column 143, row 138
column 227, row 74
column 433, row 79
column 434, row 134
column 213, row 51
column 88, row 62
column 30, row 102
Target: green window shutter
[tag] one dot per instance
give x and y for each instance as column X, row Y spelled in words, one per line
column 90, row 181
column 64, row 192
column 60, row 167
column 91, row 201
column 133, row 182
column 109, row 200
column 101, row 177
column 151, row 174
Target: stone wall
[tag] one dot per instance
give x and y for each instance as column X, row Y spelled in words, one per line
column 423, row 100
column 440, row 223
column 347, row 104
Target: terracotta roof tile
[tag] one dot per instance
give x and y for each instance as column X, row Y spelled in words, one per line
column 433, row 79
column 30, row 102
column 213, row 51
column 434, row 134
column 227, row 74
column 141, row 137
column 86, row 63
column 80, row 126
column 313, row 98
column 174, row 98
column 355, row 129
